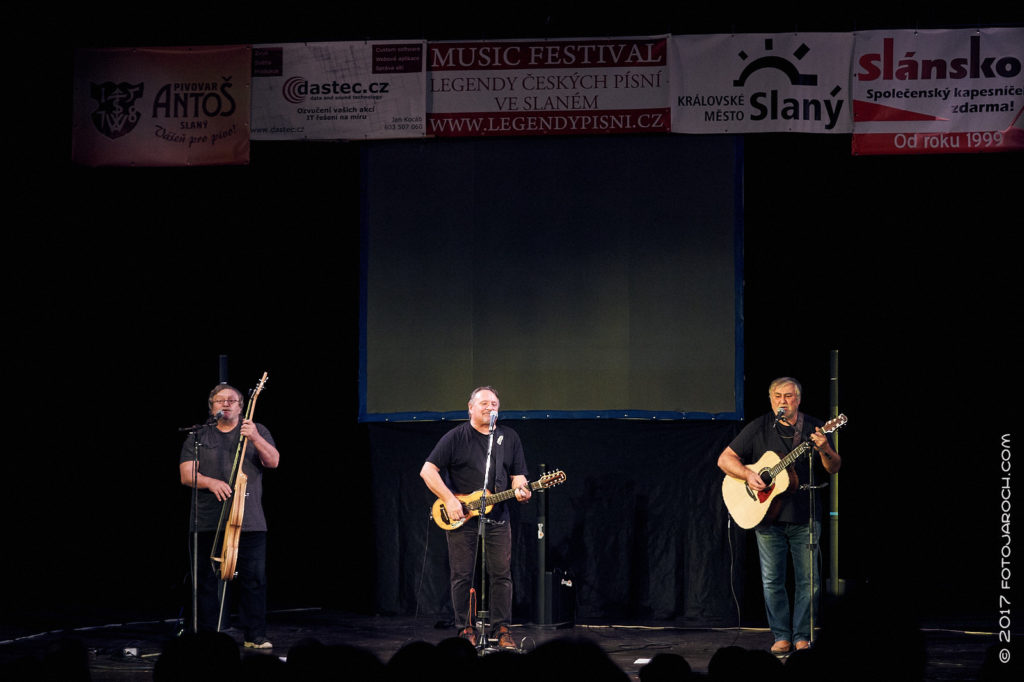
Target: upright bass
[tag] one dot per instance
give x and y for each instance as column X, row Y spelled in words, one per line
column 233, row 510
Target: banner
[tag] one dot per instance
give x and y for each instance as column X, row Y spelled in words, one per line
column 751, row 83
column 548, row 87
column 167, row 106
column 938, row 92
column 339, row 91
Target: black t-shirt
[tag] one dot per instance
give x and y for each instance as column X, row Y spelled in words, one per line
column 764, row 434
column 461, row 456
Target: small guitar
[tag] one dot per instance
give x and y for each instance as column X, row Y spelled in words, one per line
column 472, row 503
column 748, row 507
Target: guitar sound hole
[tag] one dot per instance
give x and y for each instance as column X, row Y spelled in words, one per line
column 766, row 477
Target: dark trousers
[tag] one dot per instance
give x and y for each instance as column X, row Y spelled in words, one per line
column 249, row 586
column 463, row 559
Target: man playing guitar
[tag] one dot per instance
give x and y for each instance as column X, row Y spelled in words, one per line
column 786, row 529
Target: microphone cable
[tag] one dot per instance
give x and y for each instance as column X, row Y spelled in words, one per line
column 732, row 577
column 423, row 568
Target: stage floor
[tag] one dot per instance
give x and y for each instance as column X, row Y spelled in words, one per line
column 952, row 654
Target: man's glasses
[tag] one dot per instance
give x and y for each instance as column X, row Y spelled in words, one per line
column 226, row 401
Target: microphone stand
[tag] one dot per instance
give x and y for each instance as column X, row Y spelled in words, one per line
column 812, row 541
column 483, row 616
column 194, row 523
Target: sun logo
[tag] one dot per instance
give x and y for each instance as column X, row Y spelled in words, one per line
column 772, row 61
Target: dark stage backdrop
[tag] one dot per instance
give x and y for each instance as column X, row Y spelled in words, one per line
column 583, row 277
column 118, row 314
column 119, row 309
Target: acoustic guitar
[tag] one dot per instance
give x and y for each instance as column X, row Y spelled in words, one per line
column 749, row 507
column 473, row 502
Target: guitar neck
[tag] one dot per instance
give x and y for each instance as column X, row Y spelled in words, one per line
column 508, row 494
column 488, row 500
column 787, row 461
column 805, row 447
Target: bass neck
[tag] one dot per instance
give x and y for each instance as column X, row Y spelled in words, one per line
column 508, row 494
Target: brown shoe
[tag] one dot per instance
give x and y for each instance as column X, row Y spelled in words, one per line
column 468, row 633
column 505, row 640
column 802, row 644
column 782, row 647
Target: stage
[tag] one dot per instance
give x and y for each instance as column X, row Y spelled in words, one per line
column 129, row 650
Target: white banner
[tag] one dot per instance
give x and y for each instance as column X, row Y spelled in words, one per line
column 166, row 106
column 752, row 83
column 339, row 91
column 549, row 87
column 926, row 92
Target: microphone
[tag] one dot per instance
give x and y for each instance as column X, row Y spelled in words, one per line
column 209, row 422
column 780, row 414
column 494, row 419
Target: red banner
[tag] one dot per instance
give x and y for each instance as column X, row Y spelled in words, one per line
column 557, row 87
column 938, row 92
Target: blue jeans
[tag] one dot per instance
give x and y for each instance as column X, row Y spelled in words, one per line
column 775, row 544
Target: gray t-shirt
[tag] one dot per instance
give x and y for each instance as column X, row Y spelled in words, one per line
column 216, row 456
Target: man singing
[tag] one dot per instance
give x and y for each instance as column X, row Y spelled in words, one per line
column 456, row 466
column 788, row 531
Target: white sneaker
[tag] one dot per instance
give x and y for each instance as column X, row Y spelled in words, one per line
column 261, row 643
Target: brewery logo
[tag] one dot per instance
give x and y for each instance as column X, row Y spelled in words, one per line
column 115, row 114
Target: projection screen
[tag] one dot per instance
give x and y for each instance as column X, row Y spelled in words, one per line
column 581, row 277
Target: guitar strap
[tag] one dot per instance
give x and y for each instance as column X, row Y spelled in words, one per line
column 499, row 455
column 798, row 432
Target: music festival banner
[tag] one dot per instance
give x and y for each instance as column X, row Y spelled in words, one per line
column 339, row 91
column 548, row 87
column 166, row 106
column 938, row 92
column 755, row 83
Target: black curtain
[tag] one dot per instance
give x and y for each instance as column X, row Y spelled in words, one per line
column 639, row 523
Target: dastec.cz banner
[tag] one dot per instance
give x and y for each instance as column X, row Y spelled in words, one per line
column 165, row 106
column 938, row 92
column 753, row 83
column 339, row 91
column 548, row 87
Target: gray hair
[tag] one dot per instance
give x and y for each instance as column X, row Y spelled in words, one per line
column 472, row 396
column 784, row 380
